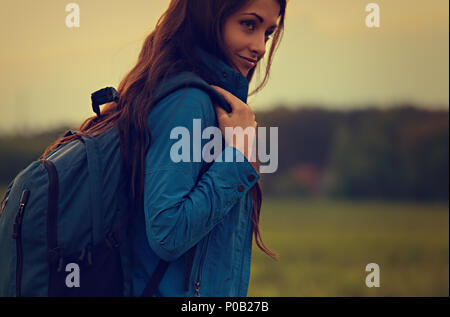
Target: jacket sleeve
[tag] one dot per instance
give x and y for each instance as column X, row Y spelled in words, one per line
column 181, row 206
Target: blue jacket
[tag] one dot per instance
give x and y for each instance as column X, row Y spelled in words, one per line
column 196, row 214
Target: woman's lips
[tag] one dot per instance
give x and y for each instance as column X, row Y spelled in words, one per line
column 248, row 62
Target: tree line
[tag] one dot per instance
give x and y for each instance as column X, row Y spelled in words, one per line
column 399, row 153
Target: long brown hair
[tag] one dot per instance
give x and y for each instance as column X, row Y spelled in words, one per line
column 167, row 50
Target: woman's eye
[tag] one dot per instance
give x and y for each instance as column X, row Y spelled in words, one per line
column 250, row 24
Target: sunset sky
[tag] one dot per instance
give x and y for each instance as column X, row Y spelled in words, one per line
column 328, row 56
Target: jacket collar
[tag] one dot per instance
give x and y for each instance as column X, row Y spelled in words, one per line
column 222, row 75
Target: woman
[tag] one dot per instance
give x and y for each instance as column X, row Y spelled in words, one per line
column 199, row 216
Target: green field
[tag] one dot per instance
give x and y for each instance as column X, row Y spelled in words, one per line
column 324, row 247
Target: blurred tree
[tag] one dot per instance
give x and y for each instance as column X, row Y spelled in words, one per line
column 397, row 153
column 17, row 152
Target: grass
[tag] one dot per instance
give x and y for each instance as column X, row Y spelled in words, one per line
column 324, row 247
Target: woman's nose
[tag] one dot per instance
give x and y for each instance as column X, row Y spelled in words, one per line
column 258, row 46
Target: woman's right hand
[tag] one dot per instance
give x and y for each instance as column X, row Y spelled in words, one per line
column 242, row 116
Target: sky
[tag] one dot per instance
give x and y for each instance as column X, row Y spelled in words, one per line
column 328, row 57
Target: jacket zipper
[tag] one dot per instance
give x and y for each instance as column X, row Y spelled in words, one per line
column 199, row 274
column 17, row 235
column 190, row 264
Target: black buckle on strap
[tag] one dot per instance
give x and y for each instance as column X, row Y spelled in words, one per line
column 103, row 96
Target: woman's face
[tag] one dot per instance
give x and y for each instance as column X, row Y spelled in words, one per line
column 247, row 31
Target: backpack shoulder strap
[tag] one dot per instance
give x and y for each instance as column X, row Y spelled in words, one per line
column 163, row 89
column 189, row 79
column 179, row 81
column 153, row 282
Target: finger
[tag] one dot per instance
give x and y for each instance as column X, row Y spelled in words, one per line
column 220, row 112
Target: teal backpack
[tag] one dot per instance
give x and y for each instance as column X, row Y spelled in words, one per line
column 63, row 220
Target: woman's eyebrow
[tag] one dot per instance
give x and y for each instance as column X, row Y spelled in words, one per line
column 259, row 18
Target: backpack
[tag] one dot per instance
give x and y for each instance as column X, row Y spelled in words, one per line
column 63, row 220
